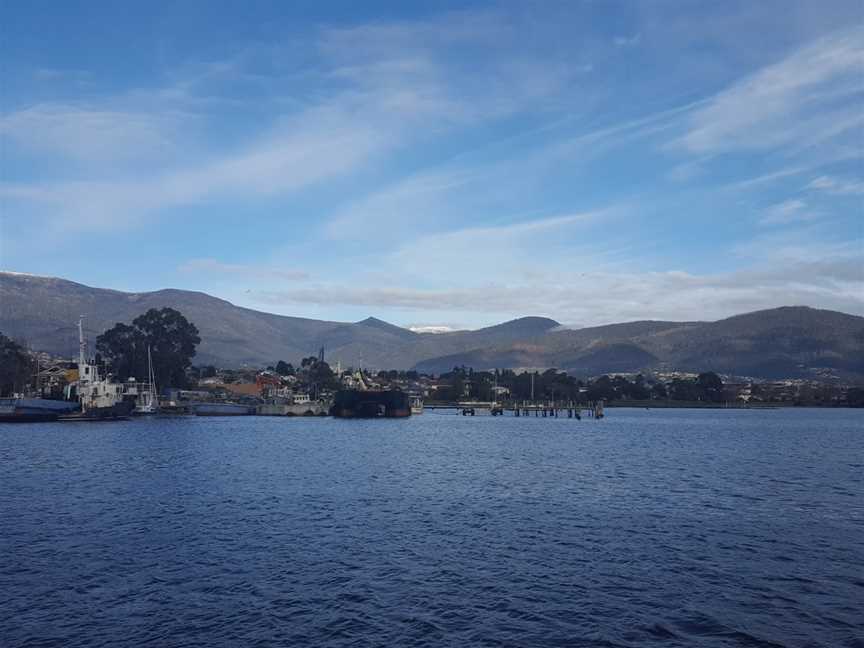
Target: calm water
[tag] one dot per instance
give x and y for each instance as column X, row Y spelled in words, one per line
column 674, row 528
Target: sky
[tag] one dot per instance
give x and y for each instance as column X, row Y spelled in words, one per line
column 439, row 164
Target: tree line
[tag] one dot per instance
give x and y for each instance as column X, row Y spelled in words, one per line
column 17, row 367
column 552, row 384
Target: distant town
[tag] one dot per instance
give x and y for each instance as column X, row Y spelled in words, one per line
column 306, row 388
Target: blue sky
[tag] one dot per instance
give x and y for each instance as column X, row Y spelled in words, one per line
column 440, row 164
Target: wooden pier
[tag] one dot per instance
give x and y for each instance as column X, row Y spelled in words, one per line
column 541, row 410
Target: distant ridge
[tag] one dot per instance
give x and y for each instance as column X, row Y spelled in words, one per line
column 793, row 341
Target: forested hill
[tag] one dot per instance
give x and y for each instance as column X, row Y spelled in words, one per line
column 782, row 342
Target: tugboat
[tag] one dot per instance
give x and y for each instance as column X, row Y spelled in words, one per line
column 101, row 399
column 356, row 403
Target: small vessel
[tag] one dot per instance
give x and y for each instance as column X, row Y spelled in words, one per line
column 356, row 403
column 147, row 401
column 33, row 410
column 289, row 409
column 100, row 398
column 222, row 409
column 416, row 405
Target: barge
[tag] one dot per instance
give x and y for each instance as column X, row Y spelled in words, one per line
column 222, row 409
column 355, row 403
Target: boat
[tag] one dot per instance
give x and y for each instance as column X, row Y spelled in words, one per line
column 146, row 401
column 221, row 409
column 356, row 403
column 288, row 409
column 100, row 398
column 33, row 410
column 416, row 405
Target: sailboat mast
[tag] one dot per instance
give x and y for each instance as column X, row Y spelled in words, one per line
column 82, row 349
column 152, row 376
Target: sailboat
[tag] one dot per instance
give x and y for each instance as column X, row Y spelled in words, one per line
column 147, row 402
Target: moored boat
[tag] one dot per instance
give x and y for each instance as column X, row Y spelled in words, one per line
column 416, row 405
column 356, row 403
column 101, row 399
column 222, row 409
column 146, row 399
column 33, row 410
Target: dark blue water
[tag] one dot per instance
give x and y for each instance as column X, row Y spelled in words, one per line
column 674, row 528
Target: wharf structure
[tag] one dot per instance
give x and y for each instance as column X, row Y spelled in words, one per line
column 545, row 410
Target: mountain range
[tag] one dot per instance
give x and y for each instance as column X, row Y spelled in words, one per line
column 792, row 341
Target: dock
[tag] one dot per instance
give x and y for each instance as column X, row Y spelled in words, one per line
column 572, row 410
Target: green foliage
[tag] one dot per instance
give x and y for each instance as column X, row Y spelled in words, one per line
column 707, row 387
column 855, row 397
column 554, row 385
column 172, row 340
column 317, row 375
column 284, row 368
column 16, row 367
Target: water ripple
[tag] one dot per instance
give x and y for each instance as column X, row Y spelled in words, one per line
column 678, row 528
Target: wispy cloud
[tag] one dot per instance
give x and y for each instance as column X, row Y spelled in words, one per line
column 788, row 211
column 317, row 145
column 837, row 186
column 627, row 41
column 93, row 134
column 239, row 270
column 381, row 87
column 803, row 98
column 599, row 298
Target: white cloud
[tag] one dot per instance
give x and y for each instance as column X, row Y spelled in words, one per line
column 627, row 41
column 496, row 251
column 789, row 211
column 807, row 97
column 93, row 134
column 837, row 186
column 806, row 243
column 478, row 275
column 600, row 298
column 317, row 145
column 377, row 89
column 389, row 211
column 248, row 271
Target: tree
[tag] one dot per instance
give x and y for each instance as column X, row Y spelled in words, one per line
column 16, row 366
column 602, row 389
column 172, row 341
column 855, row 397
column 658, row 391
column 321, row 375
column 125, row 350
column 284, row 368
column 683, row 390
column 711, row 387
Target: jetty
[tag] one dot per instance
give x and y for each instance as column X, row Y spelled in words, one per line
column 567, row 409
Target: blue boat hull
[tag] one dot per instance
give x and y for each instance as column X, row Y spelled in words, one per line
column 33, row 410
